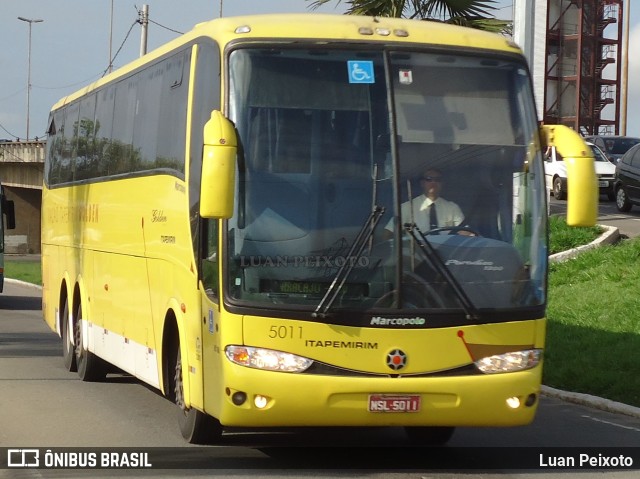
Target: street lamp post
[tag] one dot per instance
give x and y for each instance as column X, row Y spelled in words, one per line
column 30, row 21
column 624, row 81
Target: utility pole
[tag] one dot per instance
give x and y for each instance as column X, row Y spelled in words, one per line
column 624, row 80
column 111, row 40
column 30, row 22
column 144, row 21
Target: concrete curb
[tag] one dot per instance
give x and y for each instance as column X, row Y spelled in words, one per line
column 610, row 236
column 23, row 283
column 592, row 401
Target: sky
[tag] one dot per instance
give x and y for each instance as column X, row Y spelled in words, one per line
column 70, row 47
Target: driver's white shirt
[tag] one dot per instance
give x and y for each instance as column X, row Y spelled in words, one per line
column 448, row 213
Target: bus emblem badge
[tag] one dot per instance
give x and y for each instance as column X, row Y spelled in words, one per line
column 396, row 359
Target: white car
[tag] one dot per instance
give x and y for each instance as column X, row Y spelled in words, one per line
column 556, row 173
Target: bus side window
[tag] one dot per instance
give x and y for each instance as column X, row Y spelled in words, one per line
column 210, row 257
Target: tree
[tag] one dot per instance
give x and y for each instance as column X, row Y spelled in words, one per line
column 470, row 13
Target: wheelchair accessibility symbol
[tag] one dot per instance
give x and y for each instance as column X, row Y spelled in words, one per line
column 360, row 71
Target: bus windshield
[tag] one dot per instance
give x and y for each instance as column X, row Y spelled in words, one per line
column 338, row 148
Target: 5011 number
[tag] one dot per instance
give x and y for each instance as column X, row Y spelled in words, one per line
column 285, row 332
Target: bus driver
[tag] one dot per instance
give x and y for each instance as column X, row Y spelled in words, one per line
column 430, row 210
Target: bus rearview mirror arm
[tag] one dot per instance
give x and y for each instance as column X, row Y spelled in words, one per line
column 582, row 185
column 218, row 167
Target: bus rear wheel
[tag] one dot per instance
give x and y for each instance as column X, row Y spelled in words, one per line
column 90, row 367
column 68, row 349
column 430, row 436
column 196, row 427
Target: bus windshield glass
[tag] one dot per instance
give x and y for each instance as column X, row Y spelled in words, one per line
column 340, row 152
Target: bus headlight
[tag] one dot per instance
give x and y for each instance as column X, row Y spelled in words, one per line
column 267, row 359
column 510, row 362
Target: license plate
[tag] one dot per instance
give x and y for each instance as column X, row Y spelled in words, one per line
column 603, row 184
column 394, row 403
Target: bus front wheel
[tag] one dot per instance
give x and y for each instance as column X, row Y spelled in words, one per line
column 196, row 427
column 429, row 436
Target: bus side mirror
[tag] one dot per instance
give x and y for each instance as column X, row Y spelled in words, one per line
column 582, row 185
column 10, row 214
column 218, row 167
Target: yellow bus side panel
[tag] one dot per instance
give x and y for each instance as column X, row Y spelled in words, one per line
column 129, row 249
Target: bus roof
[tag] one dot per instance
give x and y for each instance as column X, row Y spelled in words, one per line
column 315, row 26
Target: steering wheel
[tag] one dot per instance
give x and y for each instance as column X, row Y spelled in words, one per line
column 453, row 230
column 417, row 293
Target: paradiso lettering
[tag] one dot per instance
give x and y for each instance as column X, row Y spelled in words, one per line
column 486, row 265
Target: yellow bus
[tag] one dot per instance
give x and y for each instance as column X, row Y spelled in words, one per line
column 8, row 217
column 221, row 219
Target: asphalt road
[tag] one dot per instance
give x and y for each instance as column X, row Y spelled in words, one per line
column 44, row 406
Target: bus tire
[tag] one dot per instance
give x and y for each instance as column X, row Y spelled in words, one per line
column 68, row 349
column 196, row 427
column 430, row 436
column 90, row 367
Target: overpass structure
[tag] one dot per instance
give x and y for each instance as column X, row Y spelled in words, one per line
column 21, row 173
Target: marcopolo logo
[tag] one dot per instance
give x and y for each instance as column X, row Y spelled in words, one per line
column 382, row 321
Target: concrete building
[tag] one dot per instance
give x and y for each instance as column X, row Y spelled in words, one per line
column 575, row 51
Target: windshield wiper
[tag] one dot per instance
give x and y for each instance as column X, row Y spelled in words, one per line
column 354, row 254
column 432, row 256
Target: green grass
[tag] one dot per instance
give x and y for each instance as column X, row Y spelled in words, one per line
column 593, row 329
column 28, row 271
column 563, row 238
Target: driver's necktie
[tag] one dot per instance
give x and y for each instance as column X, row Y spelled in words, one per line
column 433, row 218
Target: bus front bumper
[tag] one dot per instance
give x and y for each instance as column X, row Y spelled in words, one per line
column 254, row 398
